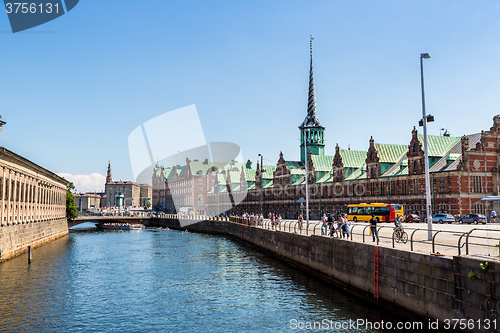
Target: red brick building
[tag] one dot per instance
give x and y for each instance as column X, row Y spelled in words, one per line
column 463, row 170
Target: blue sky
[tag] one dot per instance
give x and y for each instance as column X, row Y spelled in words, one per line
column 72, row 90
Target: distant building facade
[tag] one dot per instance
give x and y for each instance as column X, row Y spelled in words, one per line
column 119, row 193
column 88, row 201
column 187, row 185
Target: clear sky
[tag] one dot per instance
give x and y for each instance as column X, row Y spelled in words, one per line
column 72, row 90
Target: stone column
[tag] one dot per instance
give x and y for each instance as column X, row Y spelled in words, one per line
column 25, row 204
column 59, row 203
column 40, row 201
column 32, row 199
column 15, row 201
column 9, row 196
column 44, row 188
column 2, row 212
column 52, row 202
column 49, row 202
column 44, row 202
column 36, row 189
column 18, row 197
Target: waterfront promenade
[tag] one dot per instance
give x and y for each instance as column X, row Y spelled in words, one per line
column 448, row 239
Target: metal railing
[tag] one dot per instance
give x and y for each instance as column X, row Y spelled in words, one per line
column 474, row 238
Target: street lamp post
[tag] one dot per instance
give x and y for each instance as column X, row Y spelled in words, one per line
column 426, row 152
column 307, row 189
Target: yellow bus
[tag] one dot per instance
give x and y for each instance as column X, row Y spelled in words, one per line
column 383, row 212
column 187, row 211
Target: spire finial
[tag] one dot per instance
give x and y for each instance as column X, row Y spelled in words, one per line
column 311, row 44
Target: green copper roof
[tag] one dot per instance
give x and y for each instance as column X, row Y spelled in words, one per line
column 268, row 185
column 204, row 168
column 235, row 176
column 322, row 163
column 176, row 173
column 300, row 181
column 325, row 179
column 269, row 171
column 294, row 165
column 438, row 145
column 353, row 158
column 297, row 172
column 397, row 167
column 250, row 174
column 358, row 173
column 388, row 153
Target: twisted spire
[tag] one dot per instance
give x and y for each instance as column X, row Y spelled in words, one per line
column 311, row 118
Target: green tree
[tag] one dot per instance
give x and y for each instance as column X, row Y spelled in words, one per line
column 148, row 204
column 71, row 208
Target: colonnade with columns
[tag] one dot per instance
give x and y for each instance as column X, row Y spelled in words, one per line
column 30, row 194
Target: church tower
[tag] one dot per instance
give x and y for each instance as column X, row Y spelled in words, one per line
column 109, row 179
column 311, row 130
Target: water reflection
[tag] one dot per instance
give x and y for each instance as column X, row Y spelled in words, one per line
column 163, row 281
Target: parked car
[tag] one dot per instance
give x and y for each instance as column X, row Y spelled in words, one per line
column 412, row 218
column 473, row 218
column 441, row 218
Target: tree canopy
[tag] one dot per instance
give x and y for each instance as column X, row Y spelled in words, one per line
column 71, row 208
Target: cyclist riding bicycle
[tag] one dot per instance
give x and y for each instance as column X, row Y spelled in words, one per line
column 300, row 221
column 398, row 224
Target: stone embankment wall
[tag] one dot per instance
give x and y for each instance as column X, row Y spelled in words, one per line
column 15, row 239
column 427, row 286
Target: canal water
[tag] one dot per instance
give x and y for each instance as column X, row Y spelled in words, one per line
column 167, row 281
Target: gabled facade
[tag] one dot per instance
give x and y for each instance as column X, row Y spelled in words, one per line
column 462, row 172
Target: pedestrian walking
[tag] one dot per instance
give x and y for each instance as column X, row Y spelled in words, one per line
column 345, row 226
column 338, row 230
column 324, row 227
column 373, row 228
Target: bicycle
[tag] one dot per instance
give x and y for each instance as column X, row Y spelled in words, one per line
column 400, row 235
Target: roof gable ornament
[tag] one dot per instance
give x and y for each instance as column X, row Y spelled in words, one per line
column 415, row 147
column 337, row 159
column 337, row 166
column 281, row 159
column 372, row 155
column 372, row 166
